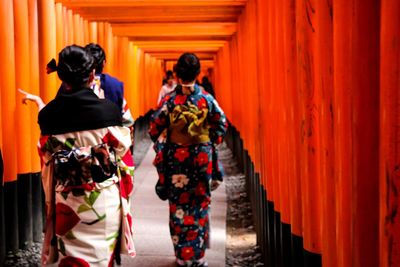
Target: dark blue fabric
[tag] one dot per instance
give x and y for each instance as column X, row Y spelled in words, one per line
column 113, row 89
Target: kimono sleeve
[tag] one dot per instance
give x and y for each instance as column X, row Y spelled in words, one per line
column 217, row 120
column 160, row 119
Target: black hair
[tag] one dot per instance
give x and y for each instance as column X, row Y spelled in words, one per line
column 205, row 80
column 188, row 67
column 74, row 66
column 98, row 54
column 169, row 75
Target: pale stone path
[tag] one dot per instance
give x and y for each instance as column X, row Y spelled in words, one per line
column 150, row 221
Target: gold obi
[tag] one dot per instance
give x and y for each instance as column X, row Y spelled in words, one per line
column 188, row 125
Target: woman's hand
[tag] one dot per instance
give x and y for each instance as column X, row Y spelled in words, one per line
column 30, row 97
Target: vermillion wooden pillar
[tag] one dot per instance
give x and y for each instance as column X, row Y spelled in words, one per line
column 129, row 83
column 78, row 31
column 37, row 211
column 289, row 30
column 60, row 26
column 343, row 140
column 47, row 44
column 310, row 130
column 70, row 19
column 108, row 48
column 34, row 79
column 22, row 69
column 60, row 35
column 92, row 32
column 8, row 127
column 85, row 31
column 323, row 43
column 389, row 243
column 365, row 118
column 8, row 90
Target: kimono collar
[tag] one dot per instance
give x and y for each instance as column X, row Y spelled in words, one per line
column 78, row 111
column 196, row 91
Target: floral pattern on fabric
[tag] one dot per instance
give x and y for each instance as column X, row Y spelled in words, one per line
column 186, row 169
column 92, row 176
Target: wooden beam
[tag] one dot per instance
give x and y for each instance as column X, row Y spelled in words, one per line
column 160, row 14
column 152, row 3
column 175, row 29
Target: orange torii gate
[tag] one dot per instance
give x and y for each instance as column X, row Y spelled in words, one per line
column 310, row 87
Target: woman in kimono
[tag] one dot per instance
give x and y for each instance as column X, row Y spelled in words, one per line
column 87, row 171
column 194, row 124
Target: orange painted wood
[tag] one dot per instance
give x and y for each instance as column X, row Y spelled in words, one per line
column 8, row 90
column 342, row 35
column 86, row 31
column 365, row 122
column 77, row 29
column 389, row 243
column 92, row 32
column 22, row 80
column 34, row 80
column 47, row 44
column 310, row 127
column 108, row 48
column 289, row 35
column 100, row 34
column 60, row 26
column 323, row 43
column 154, row 3
column 71, row 37
column 174, row 29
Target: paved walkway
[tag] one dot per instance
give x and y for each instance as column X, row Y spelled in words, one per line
column 151, row 233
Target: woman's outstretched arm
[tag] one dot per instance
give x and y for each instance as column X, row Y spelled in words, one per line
column 30, row 97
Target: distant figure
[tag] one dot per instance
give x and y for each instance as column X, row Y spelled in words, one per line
column 194, row 122
column 206, row 84
column 107, row 86
column 87, row 171
column 168, row 87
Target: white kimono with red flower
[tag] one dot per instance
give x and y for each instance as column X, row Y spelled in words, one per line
column 88, row 223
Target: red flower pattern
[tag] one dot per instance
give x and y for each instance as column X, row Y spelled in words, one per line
column 172, row 208
column 153, row 129
column 209, row 168
column 184, row 198
column 202, row 103
column 200, row 189
column 129, row 217
column 126, row 185
column 205, row 203
column 181, row 154
column 191, row 235
column 202, row 158
column 110, row 140
column 66, row 219
column 180, row 99
column 202, row 222
column 43, row 140
column 177, row 229
column 188, row 220
column 187, row 253
column 73, row 262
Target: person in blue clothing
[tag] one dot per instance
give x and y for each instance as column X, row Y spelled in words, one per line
column 111, row 87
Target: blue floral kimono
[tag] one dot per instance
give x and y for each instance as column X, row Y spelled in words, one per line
column 186, row 163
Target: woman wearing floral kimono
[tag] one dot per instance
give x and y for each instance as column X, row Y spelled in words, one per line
column 194, row 124
column 87, row 171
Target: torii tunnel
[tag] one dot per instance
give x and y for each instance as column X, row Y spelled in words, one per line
column 311, row 89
